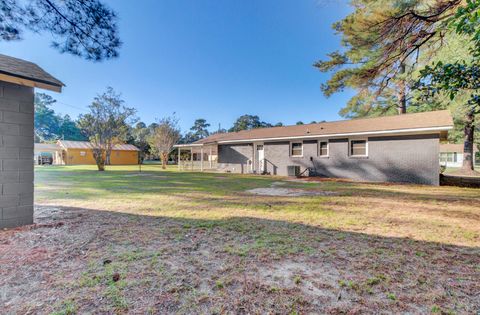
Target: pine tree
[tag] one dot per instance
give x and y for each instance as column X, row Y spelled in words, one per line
column 383, row 41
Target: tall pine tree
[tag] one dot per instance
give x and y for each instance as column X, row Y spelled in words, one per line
column 384, row 42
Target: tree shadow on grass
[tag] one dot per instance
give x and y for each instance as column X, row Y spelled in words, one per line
column 235, row 265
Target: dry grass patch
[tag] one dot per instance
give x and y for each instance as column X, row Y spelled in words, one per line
column 193, row 243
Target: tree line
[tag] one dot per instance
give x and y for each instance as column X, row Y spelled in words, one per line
column 400, row 56
column 110, row 121
column 410, row 56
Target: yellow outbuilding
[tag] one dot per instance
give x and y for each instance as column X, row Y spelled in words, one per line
column 80, row 152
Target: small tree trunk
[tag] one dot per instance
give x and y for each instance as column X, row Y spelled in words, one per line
column 468, row 132
column 107, row 157
column 164, row 159
column 402, row 93
column 98, row 155
column 101, row 167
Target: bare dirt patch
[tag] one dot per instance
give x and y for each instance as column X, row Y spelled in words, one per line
column 108, row 262
column 193, row 244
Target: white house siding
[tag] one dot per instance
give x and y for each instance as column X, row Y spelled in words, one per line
column 451, row 159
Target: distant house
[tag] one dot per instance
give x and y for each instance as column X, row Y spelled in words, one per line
column 451, row 155
column 81, row 153
column 402, row 148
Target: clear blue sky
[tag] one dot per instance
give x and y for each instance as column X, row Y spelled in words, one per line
column 206, row 59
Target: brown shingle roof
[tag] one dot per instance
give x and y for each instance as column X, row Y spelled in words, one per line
column 26, row 70
column 436, row 119
column 87, row 145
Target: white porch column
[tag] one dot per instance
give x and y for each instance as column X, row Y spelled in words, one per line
column 191, row 156
column 210, row 157
column 201, row 159
column 178, row 158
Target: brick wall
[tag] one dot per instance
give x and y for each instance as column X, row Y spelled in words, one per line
column 412, row 159
column 235, row 158
column 16, row 155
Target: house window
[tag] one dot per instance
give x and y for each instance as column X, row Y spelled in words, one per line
column 296, row 149
column 358, row 148
column 323, row 148
column 83, row 153
column 450, row 157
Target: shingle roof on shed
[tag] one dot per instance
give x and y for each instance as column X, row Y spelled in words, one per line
column 418, row 121
column 29, row 71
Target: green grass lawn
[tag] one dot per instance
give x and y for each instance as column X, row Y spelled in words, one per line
column 160, row 241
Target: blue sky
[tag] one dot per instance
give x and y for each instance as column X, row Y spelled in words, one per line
column 206, row 59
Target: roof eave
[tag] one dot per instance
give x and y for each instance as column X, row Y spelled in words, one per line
column 438, row 129
column 188, row 145
column 21, row 80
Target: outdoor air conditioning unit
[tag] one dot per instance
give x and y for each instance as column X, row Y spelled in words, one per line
column 293, row 170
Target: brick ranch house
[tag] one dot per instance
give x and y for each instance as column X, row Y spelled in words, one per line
column 402, row 148
column 18, row 78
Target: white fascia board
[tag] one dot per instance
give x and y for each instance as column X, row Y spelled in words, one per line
column 188, row 145
column 351, row 134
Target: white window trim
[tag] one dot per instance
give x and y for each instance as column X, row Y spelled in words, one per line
column 350, row 147
column 291, row 154
column 328, row 148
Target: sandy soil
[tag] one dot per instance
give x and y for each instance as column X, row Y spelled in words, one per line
column 83, row 261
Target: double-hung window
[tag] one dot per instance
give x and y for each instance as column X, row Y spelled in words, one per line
column 358, row 148
column 296, row 149
column 448, row 157
column 323, row 148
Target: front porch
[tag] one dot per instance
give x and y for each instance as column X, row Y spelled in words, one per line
column 206, row 157
column 197, row 157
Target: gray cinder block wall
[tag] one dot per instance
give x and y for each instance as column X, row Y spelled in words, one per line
column 235, row 158
column 411, row 159
column 16, row 155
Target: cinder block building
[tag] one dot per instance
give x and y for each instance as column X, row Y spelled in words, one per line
column 18, row 79
column 401, row 148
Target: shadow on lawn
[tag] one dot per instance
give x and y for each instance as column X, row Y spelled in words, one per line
column 236, row 265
